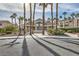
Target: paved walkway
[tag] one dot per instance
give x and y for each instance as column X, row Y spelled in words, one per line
column 40, row 45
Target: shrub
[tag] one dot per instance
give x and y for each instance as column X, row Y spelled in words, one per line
column 70, row 31
column 58, row 32
column 2, row 30
column 10, row 29
column 55, row 32
column 49, row 31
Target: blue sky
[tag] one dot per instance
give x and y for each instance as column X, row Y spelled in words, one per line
column 6, row 9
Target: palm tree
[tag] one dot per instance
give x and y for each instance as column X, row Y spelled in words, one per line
column 77, row 15
column 64, row 13
column 14, row 15
column 43, row 16
column 11, row 18
column 52, row 13
column 30, row 19
column 24, row 18
column 56, row 16
column 60, row 17
column 34, row 14
column 20, row 19
column 51, row 4
column 73, row 17
column 69, row 18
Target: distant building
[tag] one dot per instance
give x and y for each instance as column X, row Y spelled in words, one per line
column 69, row 23
column 4, row 23
column 48, row 24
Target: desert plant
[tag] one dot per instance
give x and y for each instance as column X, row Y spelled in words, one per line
column 49, row 31
column 10, row 29
column 55, row 32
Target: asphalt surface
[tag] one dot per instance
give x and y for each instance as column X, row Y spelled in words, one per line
column 39, row 45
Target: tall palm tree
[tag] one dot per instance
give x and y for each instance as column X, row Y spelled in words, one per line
column 56, row 16
column 14, row 15
column 69, row 18
column 43, row 16
column 11, row 18
column 13, row 42
column 52, row 13
column 77, row 15
column 34, row 14
column 73, row 17
column 64, row 13
column 60, row 17
column 30, row 18
column 20, row 19
column 24, row 17
column 51, row 4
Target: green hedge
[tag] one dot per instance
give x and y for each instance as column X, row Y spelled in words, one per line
column 2, row 30
column 8, row 29
column 55, row 32
column 70, row 30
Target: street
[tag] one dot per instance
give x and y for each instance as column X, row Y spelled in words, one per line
column 40, row 45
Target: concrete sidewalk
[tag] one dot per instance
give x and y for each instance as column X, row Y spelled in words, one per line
column 52, row 36
column 12, row 37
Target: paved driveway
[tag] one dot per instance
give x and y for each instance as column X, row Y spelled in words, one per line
column 39, row 45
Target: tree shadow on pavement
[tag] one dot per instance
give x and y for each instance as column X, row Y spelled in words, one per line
column 11, row 43
column 57, row 45
column 46, row 47
column 25, row 51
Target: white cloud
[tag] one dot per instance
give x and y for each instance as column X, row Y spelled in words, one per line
column 69, row 7
column 39, row 8
column 9, row 7
column 66, row 6
column 18, row 7
column 13, row 7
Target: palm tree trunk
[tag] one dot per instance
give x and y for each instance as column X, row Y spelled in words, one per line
column 56, row 16
column 43, row 19
column 30, row 19
column 52, row 13
column 19, row 27
column 15, row 21
column 12, row 20
column 73, row 23
column 64, row 22
column 24, row 19
column 34, row 14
